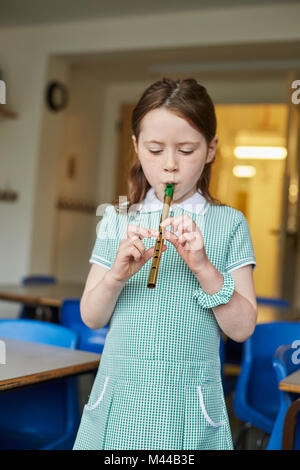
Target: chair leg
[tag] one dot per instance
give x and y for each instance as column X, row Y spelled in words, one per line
column 48, row 314
column 241, row 438
column 289, row 426
column 261, row 440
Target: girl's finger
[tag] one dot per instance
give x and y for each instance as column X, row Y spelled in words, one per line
column 184, row 222
column 138, row 244
column 141, row 232
column 134, row 252
column 188, row 226
column 171, row 237
column 194, row 241
column 186, row 237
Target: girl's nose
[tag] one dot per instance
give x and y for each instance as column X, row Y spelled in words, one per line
column 170, row 163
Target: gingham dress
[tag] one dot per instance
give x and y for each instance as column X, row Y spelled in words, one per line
column 159, row 385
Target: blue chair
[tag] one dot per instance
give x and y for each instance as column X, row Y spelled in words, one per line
column 42, row 416
column 273, row 302
column 89, row 340
column 38, row 279
column 284, row 364
column 39, row 312
column 256, row 398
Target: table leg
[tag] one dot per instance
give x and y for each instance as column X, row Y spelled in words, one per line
column 289, row 426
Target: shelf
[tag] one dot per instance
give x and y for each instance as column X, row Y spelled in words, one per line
column 7, row 113
column 76, row 205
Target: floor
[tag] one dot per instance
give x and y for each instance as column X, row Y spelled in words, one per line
column 253, row 439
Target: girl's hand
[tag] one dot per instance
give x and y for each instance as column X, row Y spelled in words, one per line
column 132, row 254
column 189, row 244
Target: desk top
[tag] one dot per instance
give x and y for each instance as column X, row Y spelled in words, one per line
column 291, row 383
column 27, row 362
column 42, row 294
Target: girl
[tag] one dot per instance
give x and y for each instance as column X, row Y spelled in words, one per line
column 159, row 383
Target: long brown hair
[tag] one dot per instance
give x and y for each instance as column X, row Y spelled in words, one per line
column 188, row 99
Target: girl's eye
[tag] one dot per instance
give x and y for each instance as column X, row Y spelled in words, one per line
column 184, row 152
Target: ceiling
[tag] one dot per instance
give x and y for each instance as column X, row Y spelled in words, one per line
column 34, row 12
column 218, row 62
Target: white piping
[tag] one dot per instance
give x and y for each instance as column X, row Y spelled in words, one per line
column 92, row 407
column 208, row 419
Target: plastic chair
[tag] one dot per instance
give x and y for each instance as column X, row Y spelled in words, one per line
column 41, row 416
column 38, row 279
column 39, row 312
column 89, row 340
column 284, row 364
column 273, row 302
column 256, row 398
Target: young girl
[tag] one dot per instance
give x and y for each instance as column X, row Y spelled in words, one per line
column 159, row 383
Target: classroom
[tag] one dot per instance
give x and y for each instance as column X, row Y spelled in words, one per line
column 150, row 226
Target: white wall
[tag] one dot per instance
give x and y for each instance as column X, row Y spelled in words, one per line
column 46, row 177
column 74, row 232
column 24, row 55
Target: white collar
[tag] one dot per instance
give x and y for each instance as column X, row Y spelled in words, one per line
column 196, row 203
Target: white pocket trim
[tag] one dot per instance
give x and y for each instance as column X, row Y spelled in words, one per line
column 208, row 419
column 92, row 407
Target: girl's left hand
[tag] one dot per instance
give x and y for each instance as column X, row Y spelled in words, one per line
column 189, row 244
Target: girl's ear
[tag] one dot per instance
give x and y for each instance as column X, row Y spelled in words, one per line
column 212, row 148
column 134, row 143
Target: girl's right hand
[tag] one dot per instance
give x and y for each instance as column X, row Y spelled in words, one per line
column 132, row 254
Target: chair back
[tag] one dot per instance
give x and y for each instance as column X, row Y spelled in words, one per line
column 38, row 279
column 89, row 340
column 70, row 314
column 257, row 397
column 39, row 332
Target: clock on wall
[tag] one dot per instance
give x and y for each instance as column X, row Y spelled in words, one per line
column 57, row 96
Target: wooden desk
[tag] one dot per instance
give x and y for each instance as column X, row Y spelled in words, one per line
column 50, row 295
column 291, row 383
column 28, row 363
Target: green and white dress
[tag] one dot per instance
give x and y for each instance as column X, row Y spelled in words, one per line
column 159, row 384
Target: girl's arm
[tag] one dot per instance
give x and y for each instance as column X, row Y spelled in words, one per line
column 237, row 318
column 99, row 297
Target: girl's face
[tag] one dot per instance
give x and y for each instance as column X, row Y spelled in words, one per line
column 172, row 151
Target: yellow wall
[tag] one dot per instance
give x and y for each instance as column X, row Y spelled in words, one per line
column 259, row 197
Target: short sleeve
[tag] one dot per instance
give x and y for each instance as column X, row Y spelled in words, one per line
column 102, row 251
column 240, row 251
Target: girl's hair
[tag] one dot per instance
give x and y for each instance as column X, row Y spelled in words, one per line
column 189, row 100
